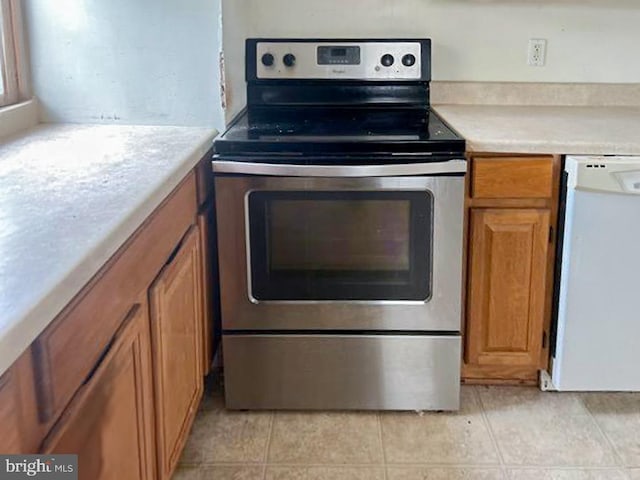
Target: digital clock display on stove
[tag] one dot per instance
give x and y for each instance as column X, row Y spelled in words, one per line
column 339, row 55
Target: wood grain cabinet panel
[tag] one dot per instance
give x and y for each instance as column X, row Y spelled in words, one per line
column 176, row 319
column 109, row 422
column 10, row 440
column 507, row 177
column 507, row 286
column 67, row 349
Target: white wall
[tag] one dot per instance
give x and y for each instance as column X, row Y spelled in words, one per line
column 236, row 27
column 126, row 61
column 473, row 40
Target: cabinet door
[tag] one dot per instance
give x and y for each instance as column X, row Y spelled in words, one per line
column 10, row 441
column 109, row 422
column 507, row 282
column 176, row 325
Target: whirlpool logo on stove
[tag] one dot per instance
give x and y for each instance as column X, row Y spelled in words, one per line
column 52, row 467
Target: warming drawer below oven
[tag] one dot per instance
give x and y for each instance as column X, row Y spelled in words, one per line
column 343, row 372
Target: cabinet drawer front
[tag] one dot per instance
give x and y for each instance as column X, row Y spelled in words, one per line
column 512, row 177
column 68, row 350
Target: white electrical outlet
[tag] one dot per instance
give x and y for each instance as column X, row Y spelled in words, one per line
column 537, row 52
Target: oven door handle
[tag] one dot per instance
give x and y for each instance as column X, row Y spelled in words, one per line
column 448, row 167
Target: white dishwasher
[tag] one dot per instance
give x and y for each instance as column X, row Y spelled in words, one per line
column 596, row 346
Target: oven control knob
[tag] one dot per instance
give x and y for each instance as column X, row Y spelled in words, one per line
column 289, row 59
column 387, row 60
column 268, row 60
column 409, row 60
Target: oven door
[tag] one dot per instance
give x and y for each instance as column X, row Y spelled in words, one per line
column 314, row 253
column 339, row 245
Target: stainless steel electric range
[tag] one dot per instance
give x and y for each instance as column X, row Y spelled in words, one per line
column 339, row 198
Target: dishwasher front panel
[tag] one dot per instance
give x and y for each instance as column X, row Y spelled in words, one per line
column 598, row 319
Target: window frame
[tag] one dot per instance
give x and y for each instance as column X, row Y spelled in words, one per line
column 11, row 59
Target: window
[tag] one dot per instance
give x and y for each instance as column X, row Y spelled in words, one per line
column 11, row 78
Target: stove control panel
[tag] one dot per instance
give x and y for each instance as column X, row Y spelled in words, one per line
column 349, row 60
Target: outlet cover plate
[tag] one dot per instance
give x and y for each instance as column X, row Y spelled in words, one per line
column 537, row 52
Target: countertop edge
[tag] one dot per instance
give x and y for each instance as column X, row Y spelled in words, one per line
column 19, row 336
column 548, row 148
column 588, row 139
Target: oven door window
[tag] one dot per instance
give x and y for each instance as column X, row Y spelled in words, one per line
column 342, row 245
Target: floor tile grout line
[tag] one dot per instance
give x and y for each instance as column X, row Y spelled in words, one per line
column 509, row 466
column 222, row 464
column 504, row 471
column 361, row 464
column 269, row 439
column 445, row 465
column 551, row 466
column 380, row 438
column 265, row 456
column 487, row 423
column 484, row 466
column 614, row 449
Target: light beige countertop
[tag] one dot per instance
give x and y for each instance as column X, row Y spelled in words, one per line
column 70, row 196
column 598, row 130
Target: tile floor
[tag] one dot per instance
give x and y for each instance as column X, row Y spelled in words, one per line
column 502, row 433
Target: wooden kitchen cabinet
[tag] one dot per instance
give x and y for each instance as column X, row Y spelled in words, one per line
column 512, row 211
column 11, row 440
column 109, row 422
column 66, row 351
column 117, row 376
column 176, row 325
column 20, row 407
column 22, row 431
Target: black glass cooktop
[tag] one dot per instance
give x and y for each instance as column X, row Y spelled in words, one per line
column 334, row 131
